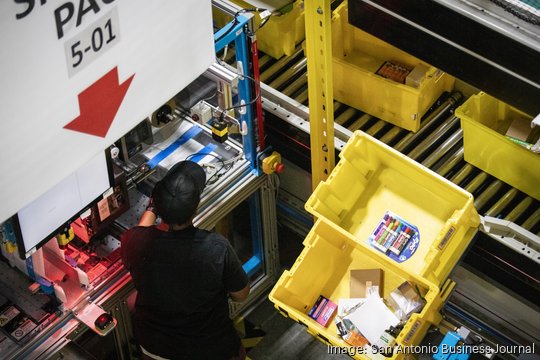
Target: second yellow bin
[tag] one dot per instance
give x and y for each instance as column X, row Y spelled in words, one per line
column 323, row 268
column 372, row 178
column 358, row 55
column 485, row 120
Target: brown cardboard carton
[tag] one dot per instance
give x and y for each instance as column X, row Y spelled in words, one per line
column 362, row 279
column 519, row 129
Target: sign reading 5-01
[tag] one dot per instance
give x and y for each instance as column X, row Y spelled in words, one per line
column 87, row 45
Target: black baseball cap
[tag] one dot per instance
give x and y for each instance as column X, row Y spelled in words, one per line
column 176, row 196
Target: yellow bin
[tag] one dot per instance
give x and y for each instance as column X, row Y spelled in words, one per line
column 485, row 120
column 358, row 55
column 282, row 32
column 370, row 179
column 323, row 268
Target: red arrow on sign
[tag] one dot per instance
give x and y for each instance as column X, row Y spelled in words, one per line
column 99, row 103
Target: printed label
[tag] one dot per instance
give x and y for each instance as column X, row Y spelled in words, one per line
column 24, row 329
column 412, row 332
column 88, row 45
column 9, row 314
column 447, row 237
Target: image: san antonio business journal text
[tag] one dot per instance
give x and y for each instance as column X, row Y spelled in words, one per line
column 433, row 349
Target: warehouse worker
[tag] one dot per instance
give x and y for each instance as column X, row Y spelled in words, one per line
column 183, row 276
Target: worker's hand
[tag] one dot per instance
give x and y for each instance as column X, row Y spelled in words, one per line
column 150, row 207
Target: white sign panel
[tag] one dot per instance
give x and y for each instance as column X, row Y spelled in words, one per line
column 77, row 75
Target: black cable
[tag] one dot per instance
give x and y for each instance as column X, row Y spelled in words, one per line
column 257, row 86
column 217, row 171
column 263, row 22
column 234, row 23
column 222, row 115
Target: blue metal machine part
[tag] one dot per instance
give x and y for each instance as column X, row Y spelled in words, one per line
column 236, row 31
column 449, row 348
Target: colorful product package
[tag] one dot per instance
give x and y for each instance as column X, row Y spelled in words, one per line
column 323, row 311
column 395, row 237
column 349, row 333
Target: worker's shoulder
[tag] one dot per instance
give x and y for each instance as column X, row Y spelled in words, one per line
column 140, row 230
column 137, row 232
column 212, row 237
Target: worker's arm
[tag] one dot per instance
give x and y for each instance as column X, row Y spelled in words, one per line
column 240, row 295
column 148, row 218
column 235, row 278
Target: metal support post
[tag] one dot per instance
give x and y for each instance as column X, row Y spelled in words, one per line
column 321, row 97
column 254, row 264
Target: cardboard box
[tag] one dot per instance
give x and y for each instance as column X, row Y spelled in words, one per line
column 361, row 280
column 519, row 129
column 405, row 300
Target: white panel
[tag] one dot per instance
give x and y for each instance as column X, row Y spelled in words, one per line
column 156, row 47
column 92, row 179
column 53, row 208
column 49, row 211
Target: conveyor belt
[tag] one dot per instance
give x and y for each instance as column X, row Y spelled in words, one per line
column 438, row 144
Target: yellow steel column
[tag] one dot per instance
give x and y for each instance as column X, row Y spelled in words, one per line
column 320, row 87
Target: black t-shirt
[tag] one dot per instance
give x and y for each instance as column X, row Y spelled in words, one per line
column 182, row 280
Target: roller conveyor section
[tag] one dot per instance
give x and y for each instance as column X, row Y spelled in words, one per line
column 285, row 78
column 438, row 144
column 450, row 162
column 296, row 85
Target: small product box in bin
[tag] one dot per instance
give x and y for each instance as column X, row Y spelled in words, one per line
column 323, row 310
column 395, row 237
column 366, row 282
